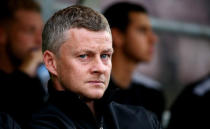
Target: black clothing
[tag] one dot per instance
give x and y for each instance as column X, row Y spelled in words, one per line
column 66, row 111
column 6, row 122
column 192, row 107
column 20, row 95
column 140, row 95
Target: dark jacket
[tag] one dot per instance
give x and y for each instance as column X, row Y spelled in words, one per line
column 6, row 122
column 191, row 109
column 20, row 95
column 139, row 95
column 66, row 111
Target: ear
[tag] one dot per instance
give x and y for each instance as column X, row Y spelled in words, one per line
column 117, row 37
column 50, row 62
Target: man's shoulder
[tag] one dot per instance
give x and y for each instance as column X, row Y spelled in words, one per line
column 142, row 90
column 7, row 122
column 196, row 89
column 123, row 116
column 51, row 117
column 127, row 108
column 136, row 115
column 146, row 81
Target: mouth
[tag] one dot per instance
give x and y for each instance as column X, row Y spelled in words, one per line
column 96, row 82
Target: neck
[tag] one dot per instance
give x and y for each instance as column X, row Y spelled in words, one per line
column 122, row 70
column 59, row 87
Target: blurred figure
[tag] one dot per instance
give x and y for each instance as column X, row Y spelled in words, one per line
column 133, row 41
column 191, row 109
column 6, row 122
column 21, row 92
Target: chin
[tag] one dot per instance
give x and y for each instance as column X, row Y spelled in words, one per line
column 96, row 95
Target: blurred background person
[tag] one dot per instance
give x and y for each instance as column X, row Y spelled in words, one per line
column 133, row 42
column 6, row 122
column 21, row 92
column 191, row 109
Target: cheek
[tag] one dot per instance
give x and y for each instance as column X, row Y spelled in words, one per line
column 17, row 35
column 73, row 77
column 17, row 49
column 110, row 67
column 108, row 72
column 72, row 70
column 138, row 37
column 139, row 43
column 133, row 47
column 25, row 40
column 21, row 43
column 65, row 74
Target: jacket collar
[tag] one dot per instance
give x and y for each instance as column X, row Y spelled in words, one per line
column 71, row 103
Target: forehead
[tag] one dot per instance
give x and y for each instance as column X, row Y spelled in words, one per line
column 28, row 17
column 86, row 39
column 138, row 18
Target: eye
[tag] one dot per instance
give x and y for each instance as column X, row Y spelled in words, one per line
column 30, row 30
column 104, row 56
column 83, row 56
column 143, row 30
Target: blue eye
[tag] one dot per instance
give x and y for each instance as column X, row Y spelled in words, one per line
column 104, row 56
column 83, row 56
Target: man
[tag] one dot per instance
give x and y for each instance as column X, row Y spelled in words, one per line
column 77, row 47
column 21, row 92
column 134, row 42
column 191, row 108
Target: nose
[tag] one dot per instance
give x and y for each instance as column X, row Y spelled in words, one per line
column 98, row 66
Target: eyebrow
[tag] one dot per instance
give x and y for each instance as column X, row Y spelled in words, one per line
column 110, row 50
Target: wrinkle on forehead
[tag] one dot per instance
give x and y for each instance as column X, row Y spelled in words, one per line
column 84, row 40
column 80, row 35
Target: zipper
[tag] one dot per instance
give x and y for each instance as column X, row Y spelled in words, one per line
column 101, row 123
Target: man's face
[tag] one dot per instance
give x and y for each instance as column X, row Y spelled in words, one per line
column 24, row 34
column 84, row 62
column 139, row 39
